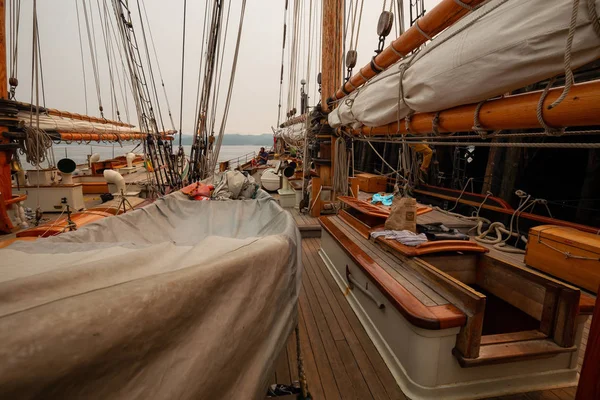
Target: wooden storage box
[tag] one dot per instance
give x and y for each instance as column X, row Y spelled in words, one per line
column 371, row 183
column 567, row 253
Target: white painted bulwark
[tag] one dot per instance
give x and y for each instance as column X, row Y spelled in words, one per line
column 50, row 198
column 421, row 360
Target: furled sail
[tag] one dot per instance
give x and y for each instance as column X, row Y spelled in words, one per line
column 502, row 46
column 180, row 299
column 292, row 135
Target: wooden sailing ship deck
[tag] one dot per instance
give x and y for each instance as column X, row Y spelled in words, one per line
column 340, row 359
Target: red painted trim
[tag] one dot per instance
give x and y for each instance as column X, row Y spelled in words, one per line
column 533, row 217
column 498, row 200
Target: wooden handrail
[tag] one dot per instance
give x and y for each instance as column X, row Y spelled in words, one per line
column 432, row 318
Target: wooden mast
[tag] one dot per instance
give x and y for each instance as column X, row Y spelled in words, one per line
column 331, row 62
column 5, row 150
column 5, row 154
column 331, row 78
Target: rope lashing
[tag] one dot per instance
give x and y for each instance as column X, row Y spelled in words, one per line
column 569, row 79
column 552, row 131
column 375, row 67
column 407, row 121
column 362, row 76
column 464, row 5
column 396, row 51
column 422, row 32
column 477, row 128
column 435, row 124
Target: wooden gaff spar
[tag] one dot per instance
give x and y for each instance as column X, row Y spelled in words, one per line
column 106, row 137
column 580, row 108
column 440, row 17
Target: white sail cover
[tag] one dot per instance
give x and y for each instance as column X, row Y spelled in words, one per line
column 502, row 46
column 293, row 135
column 49, row 122
column 179, row 300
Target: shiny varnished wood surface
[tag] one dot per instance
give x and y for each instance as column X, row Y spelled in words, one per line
column 337, row 350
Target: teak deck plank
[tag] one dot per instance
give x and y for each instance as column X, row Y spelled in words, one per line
column 325, row 372
column 372, row 366
column 327, row 342
column 282, row 369
column 374, row 370
column 310, row 365
column 355, row 351
column 349, row 388
column 292, row 356
column 409, row 280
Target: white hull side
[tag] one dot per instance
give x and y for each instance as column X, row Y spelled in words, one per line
column 422, row 361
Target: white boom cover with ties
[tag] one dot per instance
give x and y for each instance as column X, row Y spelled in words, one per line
column 180, row 299
column 502, row 46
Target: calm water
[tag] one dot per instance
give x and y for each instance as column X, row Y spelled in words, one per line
column 79, row 153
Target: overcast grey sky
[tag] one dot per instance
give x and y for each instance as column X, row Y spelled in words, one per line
column 255, row 97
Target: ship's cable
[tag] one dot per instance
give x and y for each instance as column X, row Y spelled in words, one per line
column 230, row 90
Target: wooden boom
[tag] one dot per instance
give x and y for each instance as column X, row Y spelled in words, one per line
column 580, row 108
column 5, row 153
column 445, row 14
column 108, row 137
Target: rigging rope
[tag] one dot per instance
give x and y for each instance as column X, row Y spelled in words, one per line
column 93, row 56
column 182, row 72
column 82, row 60
column 282, row 60
column 107, row 46
column 162, row 82
column 14, row 22
column 230, row 90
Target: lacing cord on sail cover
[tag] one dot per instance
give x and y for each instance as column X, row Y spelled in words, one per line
column 569, row 79
column 593, row 14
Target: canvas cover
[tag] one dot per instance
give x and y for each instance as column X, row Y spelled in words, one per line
column 179, row 300
column 502, row 46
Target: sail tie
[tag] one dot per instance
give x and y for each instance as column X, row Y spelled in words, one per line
column 422, row 32
column 549, row 130
column 569, row 79
column 477, row 128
